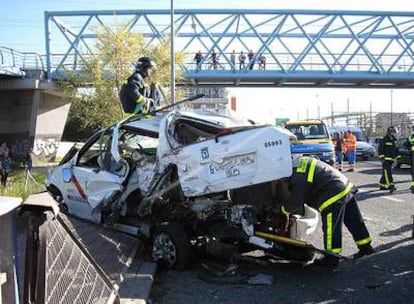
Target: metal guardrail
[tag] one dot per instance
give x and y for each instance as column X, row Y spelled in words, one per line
column 15, row 63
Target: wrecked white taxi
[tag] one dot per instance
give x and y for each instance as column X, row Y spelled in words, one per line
column 191, row 182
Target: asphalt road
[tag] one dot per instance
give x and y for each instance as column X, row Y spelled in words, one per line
column 384, row 277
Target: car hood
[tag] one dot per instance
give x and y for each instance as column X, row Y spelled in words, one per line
column 364, row 145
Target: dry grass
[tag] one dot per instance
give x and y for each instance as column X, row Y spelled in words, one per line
column 20, row 185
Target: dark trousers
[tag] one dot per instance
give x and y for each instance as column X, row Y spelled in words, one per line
column 4, row 178
column 386, row 178
column 412, row 167
column 344, row 211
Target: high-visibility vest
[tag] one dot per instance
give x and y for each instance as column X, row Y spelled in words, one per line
column 350, row 142
column 411, row 141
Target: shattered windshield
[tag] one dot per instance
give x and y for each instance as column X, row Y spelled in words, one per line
column 131, row 141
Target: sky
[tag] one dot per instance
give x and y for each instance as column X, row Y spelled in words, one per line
column 22, row 28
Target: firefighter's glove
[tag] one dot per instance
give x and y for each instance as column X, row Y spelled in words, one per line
column 283, row 210
column 148, row 105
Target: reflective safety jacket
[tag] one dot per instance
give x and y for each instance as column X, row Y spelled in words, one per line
column 410, row 144
column 316, row 184
column 350, row 142
column 134, row 92
column 387, row 149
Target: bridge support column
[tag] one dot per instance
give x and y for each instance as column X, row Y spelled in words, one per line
column 32, row 114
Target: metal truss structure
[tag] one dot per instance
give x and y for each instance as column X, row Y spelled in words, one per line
column 302, row 48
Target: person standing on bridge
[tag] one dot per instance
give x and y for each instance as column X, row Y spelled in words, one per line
column 387, row 152
column 324, row 188
column 233, row 60
column 262, row 62
column 198, row 57
column 136, row 93
column 242, row 60
column 250, row 55
column 214, row 60
column 410, row 147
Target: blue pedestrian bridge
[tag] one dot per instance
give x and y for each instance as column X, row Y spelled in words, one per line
column 288, row 48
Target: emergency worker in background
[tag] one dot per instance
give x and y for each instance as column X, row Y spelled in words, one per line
column 410, row 147
column 340, row 148
column 136, row 94
column 324, row 188
column 387, row 152
column 350, row 150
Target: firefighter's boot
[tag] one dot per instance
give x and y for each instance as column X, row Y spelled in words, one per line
column 327, row 261
column 363, row 251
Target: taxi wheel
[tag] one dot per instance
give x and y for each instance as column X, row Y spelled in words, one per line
column 171, row 246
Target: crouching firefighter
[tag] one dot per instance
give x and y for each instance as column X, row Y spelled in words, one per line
column 137, row 94
column 324, row 188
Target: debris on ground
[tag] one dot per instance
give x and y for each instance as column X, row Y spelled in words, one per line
column 220, row 270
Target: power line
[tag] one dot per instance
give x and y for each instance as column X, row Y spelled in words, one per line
column 116, row 4
column 5, row 19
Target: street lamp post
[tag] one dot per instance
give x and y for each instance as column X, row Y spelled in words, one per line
column 391, row 93
column 319, row 108
column 172, row 55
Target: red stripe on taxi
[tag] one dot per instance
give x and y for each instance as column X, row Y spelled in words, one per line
column 79, row 188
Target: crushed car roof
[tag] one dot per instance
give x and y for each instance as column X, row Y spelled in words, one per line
column 152, row 124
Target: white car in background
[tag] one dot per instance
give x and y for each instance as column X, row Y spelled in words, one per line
column 182, row 180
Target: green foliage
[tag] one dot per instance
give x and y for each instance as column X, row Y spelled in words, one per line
column 98, row 105
column 18, row 187
column 161, row 53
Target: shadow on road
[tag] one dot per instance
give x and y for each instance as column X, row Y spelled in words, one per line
column 386, row 276
column 376, row 171
column 399, row 231
column 378, row 193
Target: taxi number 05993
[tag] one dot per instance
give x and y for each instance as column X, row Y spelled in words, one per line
column 273, row 143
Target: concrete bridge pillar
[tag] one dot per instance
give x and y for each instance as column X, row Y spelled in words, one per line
column 33, row 114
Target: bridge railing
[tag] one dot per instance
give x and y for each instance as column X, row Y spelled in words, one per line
column 223, row 63
column 19, row 62
column 286, row 60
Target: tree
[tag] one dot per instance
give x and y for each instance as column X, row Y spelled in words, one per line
column 117, row 50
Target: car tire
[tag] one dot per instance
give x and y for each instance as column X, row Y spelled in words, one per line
column 171, row 246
